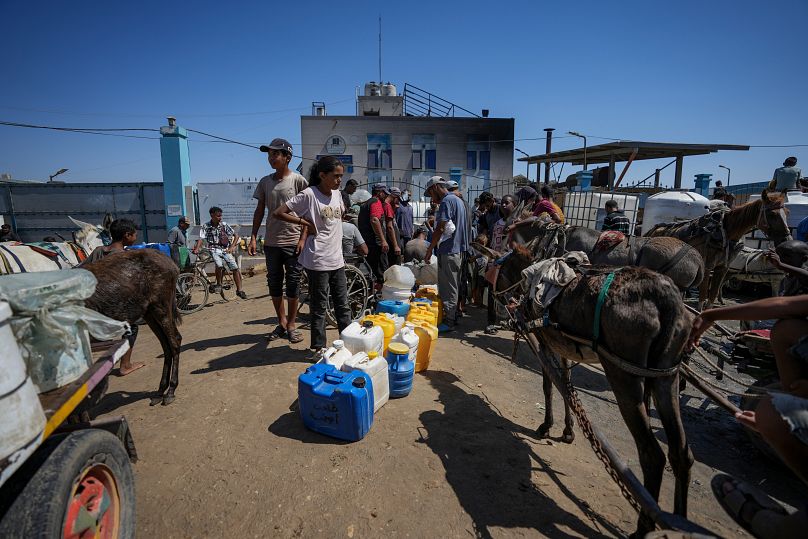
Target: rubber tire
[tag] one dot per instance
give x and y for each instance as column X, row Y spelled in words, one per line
column 39, row 509
column 228, row 292
column 197, row 281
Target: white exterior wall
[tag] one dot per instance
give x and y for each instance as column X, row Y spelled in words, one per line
column 450, row 141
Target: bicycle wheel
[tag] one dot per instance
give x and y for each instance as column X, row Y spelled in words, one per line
column 192, row 293
column 228, row 286
column 358, row 292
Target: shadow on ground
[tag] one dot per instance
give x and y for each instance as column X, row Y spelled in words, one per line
column 290, row 426
column 489, row 465
column 260, row 354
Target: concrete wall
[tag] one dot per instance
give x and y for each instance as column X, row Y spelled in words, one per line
column 451, row 146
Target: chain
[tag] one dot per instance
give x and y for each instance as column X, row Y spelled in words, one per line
column 586, row 427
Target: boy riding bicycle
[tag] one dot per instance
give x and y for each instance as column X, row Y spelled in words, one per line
column 222, row 241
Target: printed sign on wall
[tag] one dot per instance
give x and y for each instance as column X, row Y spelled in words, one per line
column 235, row 199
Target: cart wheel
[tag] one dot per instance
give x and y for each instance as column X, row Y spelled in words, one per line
column 192, row 293
column 358, row 292
column 84, row 489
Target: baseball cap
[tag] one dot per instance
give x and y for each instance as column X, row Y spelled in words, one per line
column 433, row 181
column 451, row 185
column 381, row 187
column 395, row 191
column 277, row 144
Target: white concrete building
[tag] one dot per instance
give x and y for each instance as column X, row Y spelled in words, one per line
column 403, row 140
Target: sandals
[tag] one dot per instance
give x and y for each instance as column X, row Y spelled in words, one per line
column 753, row 510
column 295, row 336
column 277, row 333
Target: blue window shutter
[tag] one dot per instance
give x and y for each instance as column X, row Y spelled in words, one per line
column 471, row 160
column 485, row 160
column 431, row 159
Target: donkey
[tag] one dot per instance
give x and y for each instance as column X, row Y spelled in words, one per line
column 720, row 246
column 669, row 256
column 141, row 284
column 639, row 362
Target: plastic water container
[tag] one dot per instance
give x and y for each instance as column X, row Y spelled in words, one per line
column 336, row 403
column 375, row 367
column 363, row 338
column 400, row 277
column 427, row 337
column 400, row 370
column 396, row 294
column 387, row 325
column 398, row 321
column 435, row 308
column 408, row 338
column 432, row 295
column 164, row 248
column 401, row 308
column 336, row 354
column 21, row 417
column 423, row 313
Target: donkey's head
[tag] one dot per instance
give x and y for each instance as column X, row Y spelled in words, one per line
column 88, row 236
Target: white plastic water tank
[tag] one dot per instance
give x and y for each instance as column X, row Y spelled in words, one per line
column 371, row 88
column 797, row 205
column 389, row 89
column 673, row 206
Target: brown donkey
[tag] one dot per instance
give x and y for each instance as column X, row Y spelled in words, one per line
column 140, row 284
column 643, row 330
column 716, row 235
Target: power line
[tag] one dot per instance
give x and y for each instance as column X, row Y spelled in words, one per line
column 188, row 115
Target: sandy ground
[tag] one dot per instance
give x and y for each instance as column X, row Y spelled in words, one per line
column 456, row 458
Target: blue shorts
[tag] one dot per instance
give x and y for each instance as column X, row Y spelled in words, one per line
column 222, row 257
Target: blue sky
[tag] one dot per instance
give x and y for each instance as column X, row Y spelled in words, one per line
column 687, row 71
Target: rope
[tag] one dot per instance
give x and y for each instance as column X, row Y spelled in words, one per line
column 752, row 395
column 716, row 367
column 604, row 289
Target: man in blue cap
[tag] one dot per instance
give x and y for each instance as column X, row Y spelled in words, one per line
column 450, row 249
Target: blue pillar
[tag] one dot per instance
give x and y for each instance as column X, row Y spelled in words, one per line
column 703, row 184
column 176, row 170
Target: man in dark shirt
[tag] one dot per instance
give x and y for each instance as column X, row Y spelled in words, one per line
column 615, row 218
column 403, row 217
column 489, row 214
column 375, row 223
column 347, row 191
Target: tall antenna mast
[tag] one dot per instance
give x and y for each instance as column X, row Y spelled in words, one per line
column 380, row 49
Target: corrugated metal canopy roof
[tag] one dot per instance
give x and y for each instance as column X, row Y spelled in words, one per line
column 622, row 150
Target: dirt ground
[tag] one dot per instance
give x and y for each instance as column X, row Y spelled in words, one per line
column 456, row 458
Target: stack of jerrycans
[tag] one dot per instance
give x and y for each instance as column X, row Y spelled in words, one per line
column 435, row 301
column 336, row 403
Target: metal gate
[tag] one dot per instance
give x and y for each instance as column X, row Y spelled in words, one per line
column 37, row 210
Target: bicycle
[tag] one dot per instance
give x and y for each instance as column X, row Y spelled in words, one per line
column 194, row 287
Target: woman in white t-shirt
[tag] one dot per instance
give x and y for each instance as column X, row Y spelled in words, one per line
column 319, row 210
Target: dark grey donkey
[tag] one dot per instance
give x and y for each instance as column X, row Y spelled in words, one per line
column 639, row 363
column 140, row 284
